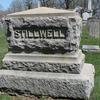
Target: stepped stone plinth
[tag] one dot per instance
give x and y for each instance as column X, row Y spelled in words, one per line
column 44, row 56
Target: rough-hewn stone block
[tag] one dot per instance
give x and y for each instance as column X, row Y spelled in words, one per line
column 49, row 84
column 44, row 47
column 66, row 63
column 44, row 33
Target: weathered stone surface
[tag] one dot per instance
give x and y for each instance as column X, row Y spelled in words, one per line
column 52, row 84
column 44, row 33
column 94, row 27
column 96, row 5
column 44, row 46
column 43, row 11
column 65, row 63
column 91, row 48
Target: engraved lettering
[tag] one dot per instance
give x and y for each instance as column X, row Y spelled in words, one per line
column 16, row 34
column 40, row 34
column 50, row 34
column 43, row 34
column 36, row 34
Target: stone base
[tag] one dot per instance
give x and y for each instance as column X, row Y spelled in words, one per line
column 77, row 86
column 66, row 63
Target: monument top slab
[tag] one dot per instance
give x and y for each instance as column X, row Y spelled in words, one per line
column 45, row 30
column 43, row 11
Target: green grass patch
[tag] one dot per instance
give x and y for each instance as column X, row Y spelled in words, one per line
column 5, row 97
column 93, row 58
column 3, row 45
column 87, row 40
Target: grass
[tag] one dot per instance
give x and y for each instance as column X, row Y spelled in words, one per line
column 93, row 58
column 3, row 45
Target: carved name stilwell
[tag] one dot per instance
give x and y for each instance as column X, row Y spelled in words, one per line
column 40, row 33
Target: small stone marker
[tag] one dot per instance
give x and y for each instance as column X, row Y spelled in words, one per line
column 85, row 16
column 92, row 48
column 44, row 56
column 94, row 27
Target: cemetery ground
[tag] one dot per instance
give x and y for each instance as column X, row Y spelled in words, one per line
column 93, row 58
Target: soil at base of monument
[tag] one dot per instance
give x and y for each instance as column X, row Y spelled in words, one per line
column 29, row 97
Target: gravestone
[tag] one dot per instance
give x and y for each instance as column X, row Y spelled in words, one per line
column 96, row 6
column 85, row 16
column 94, row 27
column 91, row 48
column 90, row 5
column 44, row 56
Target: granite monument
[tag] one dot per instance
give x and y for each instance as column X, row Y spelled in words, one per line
column 94, row 27
column 44, row 56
